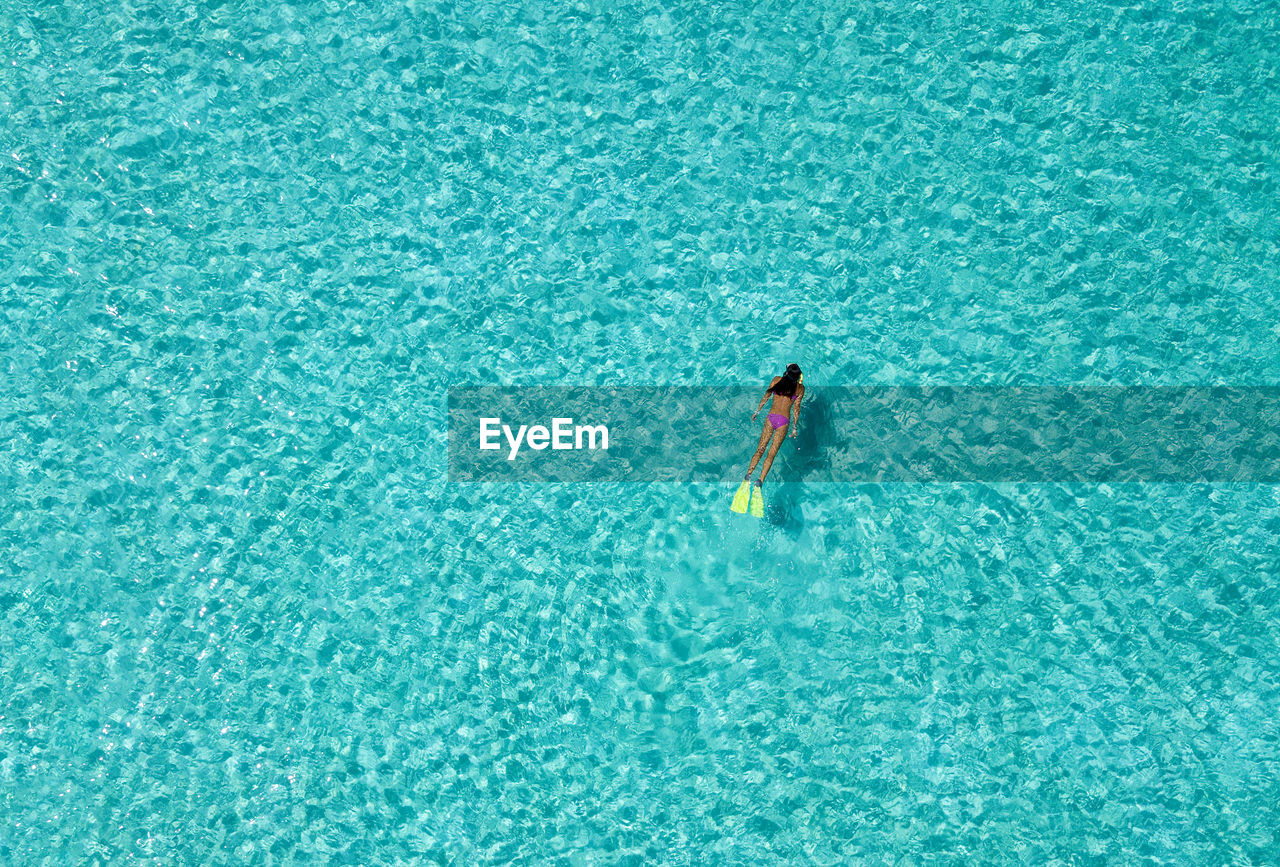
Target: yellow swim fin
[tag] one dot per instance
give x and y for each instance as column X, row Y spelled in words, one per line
column 741, row 498
column 757, row 502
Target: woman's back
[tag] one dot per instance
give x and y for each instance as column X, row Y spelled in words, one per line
column 781, row 403
column 781, row 400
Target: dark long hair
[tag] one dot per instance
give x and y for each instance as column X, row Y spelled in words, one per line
column 786, row 386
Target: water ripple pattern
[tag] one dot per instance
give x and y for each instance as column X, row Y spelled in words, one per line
column 245, row 249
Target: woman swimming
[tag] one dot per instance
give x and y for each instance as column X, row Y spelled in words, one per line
column 787, row 391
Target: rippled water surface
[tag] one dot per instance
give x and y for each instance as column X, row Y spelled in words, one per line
column 244, row 249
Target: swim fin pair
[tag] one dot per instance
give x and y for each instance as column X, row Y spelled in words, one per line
column 744, row 500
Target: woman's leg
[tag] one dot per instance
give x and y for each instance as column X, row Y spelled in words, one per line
column 764, row 438
column 778, row 436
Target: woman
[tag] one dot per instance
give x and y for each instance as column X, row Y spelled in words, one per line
column 787, row 392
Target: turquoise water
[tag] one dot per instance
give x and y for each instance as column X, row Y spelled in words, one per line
column 244, row 251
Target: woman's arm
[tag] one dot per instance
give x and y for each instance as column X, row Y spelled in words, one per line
column 795, row 411
column 775, row 381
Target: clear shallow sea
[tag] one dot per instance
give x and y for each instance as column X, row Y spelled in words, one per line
column 244, row 250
